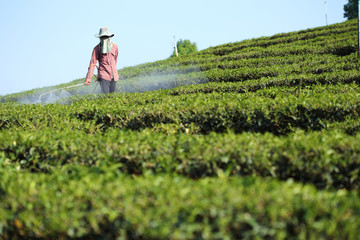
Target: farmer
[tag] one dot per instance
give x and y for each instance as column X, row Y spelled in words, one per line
column 106, row 52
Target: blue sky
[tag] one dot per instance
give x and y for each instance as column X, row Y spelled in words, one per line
column 45, row 43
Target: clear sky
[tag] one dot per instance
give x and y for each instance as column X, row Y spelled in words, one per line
column 45, row 43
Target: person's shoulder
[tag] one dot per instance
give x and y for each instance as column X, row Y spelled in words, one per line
column 96, row 48
column 115, row 48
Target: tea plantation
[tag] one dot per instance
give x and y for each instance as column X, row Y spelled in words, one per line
column 257, row 139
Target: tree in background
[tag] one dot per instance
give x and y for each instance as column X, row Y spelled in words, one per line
column 185, row 47
column 351, row 9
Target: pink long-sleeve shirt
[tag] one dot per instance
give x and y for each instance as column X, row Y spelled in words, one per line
column 107, row 64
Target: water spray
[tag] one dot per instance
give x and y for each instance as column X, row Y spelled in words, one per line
column 39, row 100
column 72, row 86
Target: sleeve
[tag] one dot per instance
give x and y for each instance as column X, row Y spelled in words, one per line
column 93, row 62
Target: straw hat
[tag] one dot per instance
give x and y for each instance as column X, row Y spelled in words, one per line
column 104, row 31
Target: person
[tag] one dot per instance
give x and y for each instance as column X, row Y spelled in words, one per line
column 106, row 53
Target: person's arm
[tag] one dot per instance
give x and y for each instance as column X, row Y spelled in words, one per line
column 115, row 71
column 92, row 65
column 116, row 55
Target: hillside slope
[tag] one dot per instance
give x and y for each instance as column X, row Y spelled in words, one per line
column 311, row 51
column 254, row 139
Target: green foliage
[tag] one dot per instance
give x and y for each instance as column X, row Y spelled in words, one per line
column 351, row 9
column 185, row 47
column 256, row 139
column 80, row 202
column 328, row 160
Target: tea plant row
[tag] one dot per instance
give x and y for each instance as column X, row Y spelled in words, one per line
column 78, row 202
column 329, row 160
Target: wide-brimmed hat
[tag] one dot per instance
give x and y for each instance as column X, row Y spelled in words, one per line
column 105, row 31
